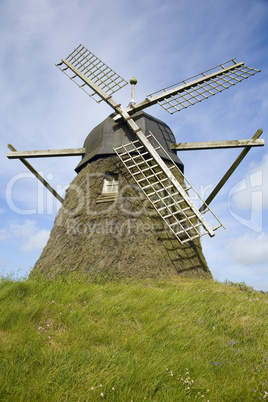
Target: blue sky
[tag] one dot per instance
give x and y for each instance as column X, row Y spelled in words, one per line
column 159, row 42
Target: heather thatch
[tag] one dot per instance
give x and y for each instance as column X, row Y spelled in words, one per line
column 121, row 238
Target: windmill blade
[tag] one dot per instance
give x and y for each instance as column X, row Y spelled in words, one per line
column 81, row 63
column 180, row 214
column 195, row 89
column 167, row 196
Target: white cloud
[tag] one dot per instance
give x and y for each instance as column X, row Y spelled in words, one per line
column 249, row 250
column 30, row 237
column 4, row 234
column 36, row 242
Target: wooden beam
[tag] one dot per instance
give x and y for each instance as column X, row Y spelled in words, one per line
column 37, row 175
column 46, row 153
column 229, row 172
column 191, row 146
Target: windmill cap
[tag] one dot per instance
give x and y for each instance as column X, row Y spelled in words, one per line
column 109, row 134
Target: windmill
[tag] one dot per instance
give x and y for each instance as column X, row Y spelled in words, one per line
column 150, row 157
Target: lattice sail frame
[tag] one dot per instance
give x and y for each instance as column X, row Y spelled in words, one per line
column 172, row 203
column 94, row 69
column 203, row 86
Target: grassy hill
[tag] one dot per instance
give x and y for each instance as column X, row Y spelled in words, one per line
column 174, row 340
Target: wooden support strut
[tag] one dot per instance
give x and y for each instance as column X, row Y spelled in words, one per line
column 46, row 153
column 229, row 172
column 37, row 175
column 192, row 146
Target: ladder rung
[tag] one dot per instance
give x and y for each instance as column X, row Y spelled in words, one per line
column 140, row 155
column 155, row 175
column 149, row 177
column 168, row 196
column 167, row 206
column 174, row 223
column 186, row 230
column 155, row 182
column 139, row 163
column 127, row 160
column 161, row 189
column 163, row 180
column 183, row 232
column 150, row 185
column 169, row 215
column 195, row 227
column 127, row 144
column 188, row 218
column 174, row 215
column 148, row 168
column 128, row 153
column 123, row 154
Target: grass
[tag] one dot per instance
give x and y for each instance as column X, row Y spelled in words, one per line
column 173, row 340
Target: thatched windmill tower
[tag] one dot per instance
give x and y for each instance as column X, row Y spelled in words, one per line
column 107, row 224
column 128, row 212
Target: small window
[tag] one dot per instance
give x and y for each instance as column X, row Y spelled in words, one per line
column 110, row 184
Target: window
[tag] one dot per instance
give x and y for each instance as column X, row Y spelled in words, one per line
column 110, row 188
column 110, row 184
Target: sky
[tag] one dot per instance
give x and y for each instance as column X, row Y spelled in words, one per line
column 160, row 43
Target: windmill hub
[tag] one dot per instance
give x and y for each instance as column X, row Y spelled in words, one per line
column 133, row 81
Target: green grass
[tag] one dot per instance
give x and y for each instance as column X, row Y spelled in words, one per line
column 176, row 340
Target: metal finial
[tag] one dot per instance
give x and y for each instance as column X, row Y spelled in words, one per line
column 133, row 81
